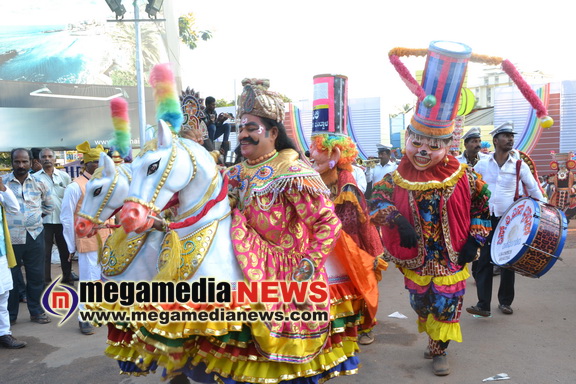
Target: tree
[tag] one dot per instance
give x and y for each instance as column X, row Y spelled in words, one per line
column 125, row 39
column 285, row 98
column 224, row 103
column 188, row 35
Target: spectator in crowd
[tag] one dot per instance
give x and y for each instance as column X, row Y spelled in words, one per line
column 384, row 167
column 27, row 233
column 472, row 143
column 8, row 203
column 216, row 123
column 53, row 233
column 36, row 163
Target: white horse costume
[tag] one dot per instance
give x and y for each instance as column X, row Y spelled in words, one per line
column 124, row 257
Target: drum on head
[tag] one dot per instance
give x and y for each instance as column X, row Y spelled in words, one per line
column 529, row 237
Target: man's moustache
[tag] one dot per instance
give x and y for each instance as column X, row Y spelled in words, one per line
column 249, row 141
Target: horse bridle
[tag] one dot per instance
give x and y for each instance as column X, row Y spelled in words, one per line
column 151, row 204
column 96, row 219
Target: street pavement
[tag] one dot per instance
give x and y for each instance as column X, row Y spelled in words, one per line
column 537, row 344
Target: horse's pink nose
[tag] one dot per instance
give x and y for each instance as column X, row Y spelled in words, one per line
column 134, row 217
column 83, row 227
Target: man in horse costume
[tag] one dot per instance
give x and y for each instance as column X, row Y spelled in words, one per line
column 283, row 228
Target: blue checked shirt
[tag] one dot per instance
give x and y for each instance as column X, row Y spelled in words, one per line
column 35, row 199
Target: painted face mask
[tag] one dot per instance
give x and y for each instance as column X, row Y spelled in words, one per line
column 425, row 152
column 321, row 160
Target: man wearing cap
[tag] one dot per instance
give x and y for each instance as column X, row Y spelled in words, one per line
column 383, row 168
column 85, row 248
column 471, row 154
column 433, row 210
column 499, row 171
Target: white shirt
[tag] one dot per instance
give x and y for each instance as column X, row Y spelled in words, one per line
column 11, row 206
column 379, row 171
column 360, row 177
column 502, row 182
column 70, row 200
column 463, row 160
column 58, row 183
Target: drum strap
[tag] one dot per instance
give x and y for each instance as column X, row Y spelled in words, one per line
column 518, row 165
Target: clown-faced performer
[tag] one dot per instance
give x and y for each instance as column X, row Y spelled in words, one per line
column 332, row 152
column 284, row 228
column 433, row 209
column 562, row 189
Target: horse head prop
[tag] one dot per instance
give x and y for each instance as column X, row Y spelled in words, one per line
column 105, row 194
column 158, row 174
column 170, row 166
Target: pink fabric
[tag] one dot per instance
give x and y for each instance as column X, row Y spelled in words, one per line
column 270, row 244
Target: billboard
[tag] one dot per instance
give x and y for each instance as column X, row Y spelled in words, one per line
column 61, row 62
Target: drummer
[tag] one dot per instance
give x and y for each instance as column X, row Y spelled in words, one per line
column 499, row 171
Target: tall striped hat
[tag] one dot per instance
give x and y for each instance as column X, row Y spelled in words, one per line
column 439, row 93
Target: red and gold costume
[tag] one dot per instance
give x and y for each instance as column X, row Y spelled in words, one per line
column 445, row 204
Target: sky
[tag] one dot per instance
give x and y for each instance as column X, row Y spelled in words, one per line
column 289, row 42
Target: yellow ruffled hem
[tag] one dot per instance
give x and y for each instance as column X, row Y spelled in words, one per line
column 438, row 330
column 271, row 372
column 282, row 348
column 438, row 280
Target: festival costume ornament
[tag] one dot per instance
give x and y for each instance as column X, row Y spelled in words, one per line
column 563, row 190
column 236, row 352
column 192, row 112
column 257, row 100
column 452, row 57
column 120, row 144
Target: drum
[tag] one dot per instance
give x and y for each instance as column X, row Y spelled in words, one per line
column 529, row 237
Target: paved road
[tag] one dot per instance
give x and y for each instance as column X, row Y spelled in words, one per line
column 537, row 344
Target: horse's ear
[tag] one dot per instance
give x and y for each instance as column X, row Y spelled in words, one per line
column 164, row 135
column 108, row 164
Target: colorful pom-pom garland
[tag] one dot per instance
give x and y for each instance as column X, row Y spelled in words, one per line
column 531, row 96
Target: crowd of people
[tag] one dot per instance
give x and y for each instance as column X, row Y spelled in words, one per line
column 319, row 217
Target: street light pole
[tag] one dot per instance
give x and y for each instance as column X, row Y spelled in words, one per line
column 139, row 61
column 140, row 77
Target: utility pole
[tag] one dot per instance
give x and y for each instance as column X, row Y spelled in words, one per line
column 115, row 6
column 140, row 77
